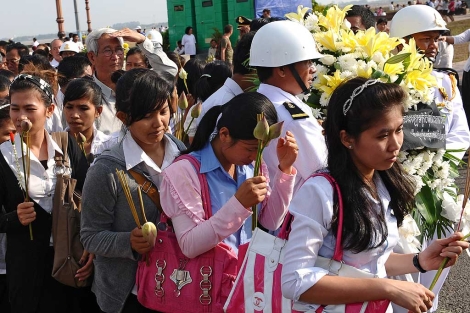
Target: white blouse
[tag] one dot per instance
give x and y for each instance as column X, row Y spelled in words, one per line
column 100, row 141
column 41, row 182
column 311, row 235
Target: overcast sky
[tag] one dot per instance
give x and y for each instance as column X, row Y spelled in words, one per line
column 32, row 17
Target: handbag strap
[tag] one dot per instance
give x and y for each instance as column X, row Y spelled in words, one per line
column 148, row 188
column 62, row 140
column 286, row 226
column 206, row 199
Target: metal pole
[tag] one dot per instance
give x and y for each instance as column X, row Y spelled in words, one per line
column 60, row 19
column 77, row 22
column 88, row 18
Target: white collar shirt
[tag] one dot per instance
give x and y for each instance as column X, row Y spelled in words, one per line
column 107, row 122
column 100, row 141
column 42, row 181
column 54, row 63
column 456, row 126
column 135, row 156
column 308, row 133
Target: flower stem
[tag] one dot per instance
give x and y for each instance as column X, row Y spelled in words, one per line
column 254, row 217
column 441, row 267
column 26, row 170
column 187, row 129
column 186, row 85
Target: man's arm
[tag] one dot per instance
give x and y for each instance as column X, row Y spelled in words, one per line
column 223, row 47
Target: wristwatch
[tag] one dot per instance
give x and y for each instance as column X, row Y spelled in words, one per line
column 417, row 265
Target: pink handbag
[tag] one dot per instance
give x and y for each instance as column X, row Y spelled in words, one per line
column 170, row 282
column 258, row 284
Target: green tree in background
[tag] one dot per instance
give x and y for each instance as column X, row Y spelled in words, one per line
column 318, row 7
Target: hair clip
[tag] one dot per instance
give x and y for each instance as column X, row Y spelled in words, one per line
column 205, row 75
column 4, row 106
column 38, row 82
column 357, row 92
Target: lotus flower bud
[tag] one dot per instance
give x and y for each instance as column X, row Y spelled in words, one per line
column 196, row 110
column 261, row 131
column 275, row 130
column 26, row 126
column 81, row 138
column 149, row 231
column 183, row 74
column 183, row 101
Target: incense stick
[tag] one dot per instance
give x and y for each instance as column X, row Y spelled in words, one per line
column 125, row 186
column 139, row 192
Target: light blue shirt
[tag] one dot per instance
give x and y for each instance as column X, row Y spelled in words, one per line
column 222, row 187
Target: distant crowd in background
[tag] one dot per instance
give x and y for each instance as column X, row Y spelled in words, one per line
column 156, row 136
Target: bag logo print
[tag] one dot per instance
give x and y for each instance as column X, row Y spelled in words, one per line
column 259, row 302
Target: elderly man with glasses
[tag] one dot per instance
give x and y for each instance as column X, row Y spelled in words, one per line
column 107, row 56
column 106, row 53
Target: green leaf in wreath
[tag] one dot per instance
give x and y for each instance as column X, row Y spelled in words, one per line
column 425, row 202
column 398, row 58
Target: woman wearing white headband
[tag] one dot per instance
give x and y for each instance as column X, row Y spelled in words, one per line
column 364, row 134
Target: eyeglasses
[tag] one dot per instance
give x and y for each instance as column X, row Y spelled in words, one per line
column 108, row 52
column 13, row 61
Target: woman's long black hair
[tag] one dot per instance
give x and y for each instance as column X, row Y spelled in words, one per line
column 239, row 116
column 363, row 228
column 213, row 77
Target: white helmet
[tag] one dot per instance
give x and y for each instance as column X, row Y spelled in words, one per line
column 281, row 43
column 69, row 46
column 416, row 19
column 155, row 37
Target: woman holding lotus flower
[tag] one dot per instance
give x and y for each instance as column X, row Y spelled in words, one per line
column 27, row 221
column 108, row 224
column 226, row 155
column 364, row 134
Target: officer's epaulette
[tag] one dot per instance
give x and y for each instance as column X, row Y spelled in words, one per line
column 295, row 111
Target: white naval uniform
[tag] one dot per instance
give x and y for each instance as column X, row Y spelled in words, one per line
column 307, row 132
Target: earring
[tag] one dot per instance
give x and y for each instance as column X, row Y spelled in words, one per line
column 350, row 147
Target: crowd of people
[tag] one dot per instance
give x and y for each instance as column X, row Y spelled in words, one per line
column 118, row 109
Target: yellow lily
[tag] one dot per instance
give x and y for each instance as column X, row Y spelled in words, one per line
column 299, row 16
column 393, row 69
column 332, row 82
column 327, row 39
column 334, row 18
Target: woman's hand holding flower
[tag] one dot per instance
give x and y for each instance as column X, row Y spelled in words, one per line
column 451, row 247
column 26, row 213
column 252, row 191
column 138, row 242
column 412, row 296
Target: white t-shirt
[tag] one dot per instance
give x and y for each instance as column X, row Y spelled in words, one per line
column 189, row 43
